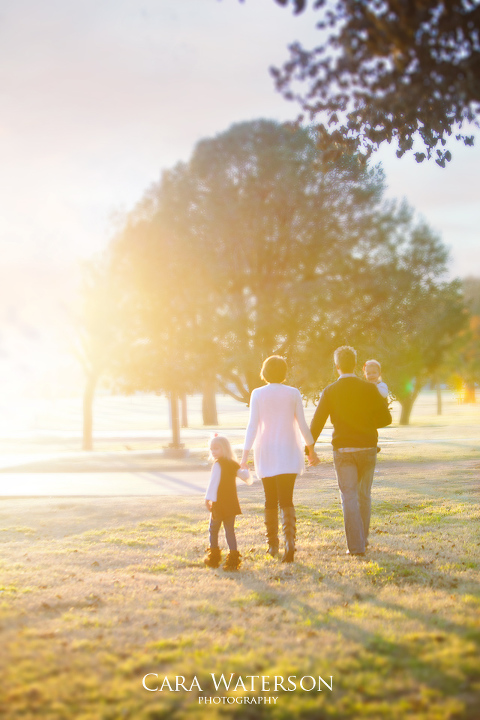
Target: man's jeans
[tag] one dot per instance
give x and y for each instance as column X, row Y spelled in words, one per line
column 355, row 476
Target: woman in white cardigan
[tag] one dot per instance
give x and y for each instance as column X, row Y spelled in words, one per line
column 278, row 432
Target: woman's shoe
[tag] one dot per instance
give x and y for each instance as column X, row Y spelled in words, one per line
column 232, row 561
column 271, row 524
column 213, row 557
column 289, row 524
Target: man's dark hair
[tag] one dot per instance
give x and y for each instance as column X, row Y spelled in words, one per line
column 345, row 358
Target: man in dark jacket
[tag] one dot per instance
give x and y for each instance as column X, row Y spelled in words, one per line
column 356, row 410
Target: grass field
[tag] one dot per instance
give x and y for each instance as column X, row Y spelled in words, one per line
column 95, row 593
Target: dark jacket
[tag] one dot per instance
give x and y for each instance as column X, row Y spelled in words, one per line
column 356, row 410
column 227, row 503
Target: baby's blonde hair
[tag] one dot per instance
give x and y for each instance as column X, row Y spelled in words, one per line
column 375, row 362
column 224, row 443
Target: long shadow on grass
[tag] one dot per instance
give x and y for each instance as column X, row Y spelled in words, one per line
column 398, row 655
column 438, row 626
column 390, row 568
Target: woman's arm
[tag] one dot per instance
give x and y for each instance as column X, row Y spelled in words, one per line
column 305, row 430
column 244, row 474
column 302, row 423
column 252, row 428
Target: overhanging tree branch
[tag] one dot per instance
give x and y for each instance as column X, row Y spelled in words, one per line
column 404, row 72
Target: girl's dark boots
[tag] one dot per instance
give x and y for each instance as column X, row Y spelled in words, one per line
column 289, row 532
column 232, row 561
column 271, row 524
column 213, row 557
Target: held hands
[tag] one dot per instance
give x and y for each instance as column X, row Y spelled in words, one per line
column 313, row 458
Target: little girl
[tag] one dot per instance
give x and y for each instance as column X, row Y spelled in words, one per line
column 222, row 501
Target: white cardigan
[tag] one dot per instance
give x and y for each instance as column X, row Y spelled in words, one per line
column 278, row 431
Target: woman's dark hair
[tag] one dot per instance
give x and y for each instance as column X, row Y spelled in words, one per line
column 274, row 369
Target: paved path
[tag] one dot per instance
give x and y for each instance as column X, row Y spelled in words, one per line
column 104, row 484
column 157, row 461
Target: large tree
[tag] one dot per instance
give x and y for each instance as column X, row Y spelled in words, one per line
column 101, row 323
column 389, row 71
column 265, row 228
column 228, row 256
column 254, row 247
column 167, row 338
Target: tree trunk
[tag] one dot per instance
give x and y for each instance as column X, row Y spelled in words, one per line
column 175, row 421
column 439, row 399
column 209, row 404
column 407, row 405
column 184, row 410
column 469, row 393
column 88, row 396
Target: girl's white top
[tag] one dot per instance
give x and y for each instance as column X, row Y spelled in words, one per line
column 278, row 431
column 214, row 481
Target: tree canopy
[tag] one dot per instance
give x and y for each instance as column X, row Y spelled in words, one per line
column 266, row 230
column 389, row 71
column 254, row 247
column 161, row 285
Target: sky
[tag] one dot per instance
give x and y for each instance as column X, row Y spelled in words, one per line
column 98, row 96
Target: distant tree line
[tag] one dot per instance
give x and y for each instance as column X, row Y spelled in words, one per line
column 257, row 246
column 461, row 367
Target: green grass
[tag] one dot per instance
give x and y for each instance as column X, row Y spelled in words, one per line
column 97, row 593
